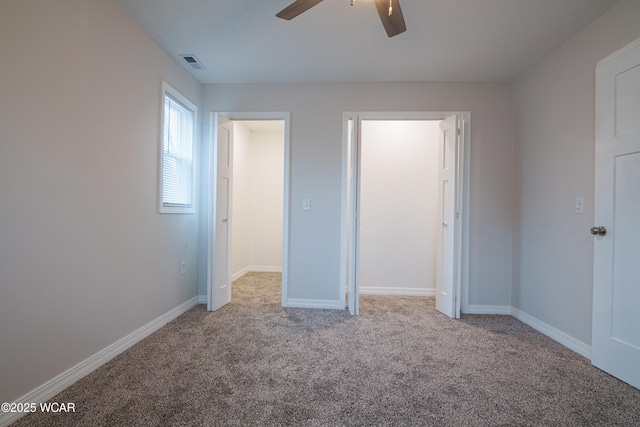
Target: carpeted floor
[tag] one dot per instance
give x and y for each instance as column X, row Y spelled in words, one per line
column 400, row 363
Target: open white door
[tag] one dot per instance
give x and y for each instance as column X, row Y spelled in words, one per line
column 616, row 274
column 447, row 274
column 219, row 271
column 354, row 193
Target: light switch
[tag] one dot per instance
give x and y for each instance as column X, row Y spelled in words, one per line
column 579, row 205
column 306, row 204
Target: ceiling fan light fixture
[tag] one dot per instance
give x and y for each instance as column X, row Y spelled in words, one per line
column 391, row 16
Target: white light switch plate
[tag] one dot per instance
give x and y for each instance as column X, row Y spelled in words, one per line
column 306, row 204
column 579, row 205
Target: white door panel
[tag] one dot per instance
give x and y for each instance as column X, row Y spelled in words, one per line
column 354, row 294
column 616, row 275
column 220, row 217
column 626, row 281
column 446, row 275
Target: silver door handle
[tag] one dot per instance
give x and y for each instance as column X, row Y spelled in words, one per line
column 225, row 219
column 599, row 231
column 444, row 224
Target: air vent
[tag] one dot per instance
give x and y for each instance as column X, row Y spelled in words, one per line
column 192, row 61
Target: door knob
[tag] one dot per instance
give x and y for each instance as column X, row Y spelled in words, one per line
column 599, row 231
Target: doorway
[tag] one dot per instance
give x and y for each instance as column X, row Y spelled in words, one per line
column 405, row 220
column 257, row 197
column 249, row 200
column 399, row 207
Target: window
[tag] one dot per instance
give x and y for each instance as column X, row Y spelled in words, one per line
column 177, row 145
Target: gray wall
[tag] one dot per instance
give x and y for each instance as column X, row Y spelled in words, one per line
column 316, row 168
column 85, row 259
column 554, row 161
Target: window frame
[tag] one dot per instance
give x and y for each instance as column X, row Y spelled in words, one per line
column 163, row 208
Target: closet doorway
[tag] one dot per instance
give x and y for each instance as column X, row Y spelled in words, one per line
column 257, row 197
column 404, row 191
column 248, row 213
column 399, row 207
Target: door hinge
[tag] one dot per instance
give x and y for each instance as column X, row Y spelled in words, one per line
column 458, row 131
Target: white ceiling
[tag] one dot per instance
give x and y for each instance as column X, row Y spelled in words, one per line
column 242, row 41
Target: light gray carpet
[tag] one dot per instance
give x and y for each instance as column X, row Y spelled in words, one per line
column 400, row 363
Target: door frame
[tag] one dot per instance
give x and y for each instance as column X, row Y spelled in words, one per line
column 211, row 181
column 350, row 189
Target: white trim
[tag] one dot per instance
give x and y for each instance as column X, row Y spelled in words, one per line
column 256, row 269
column 211, row 184
column 405, row 115
column 466, row 203
column 202, row 299
column 344, row 203
column 57, row 384
column 619, row 52
column 565, row 339
column 504, row 310
column 314, row 303
column 238, row 274
column 389, row 290
column 265, row 268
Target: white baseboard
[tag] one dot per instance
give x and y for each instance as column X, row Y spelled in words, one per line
column 487, row 309
column 235, row 276
column 54, row 386
column 202, row 299
column 553, row 333
column 256, row 269
column 265, row 268
column 314, row 303
column 378, row 290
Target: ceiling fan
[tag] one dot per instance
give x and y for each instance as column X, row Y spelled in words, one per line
column 389, row 11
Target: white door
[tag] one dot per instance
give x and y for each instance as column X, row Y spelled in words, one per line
column 354, row 193
column 220, row 216
column 616, row 275
column 447, row 265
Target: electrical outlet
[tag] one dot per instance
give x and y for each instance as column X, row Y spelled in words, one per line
column 183, row 268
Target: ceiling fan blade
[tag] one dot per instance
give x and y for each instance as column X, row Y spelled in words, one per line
column 394, row 23
column 296, row 8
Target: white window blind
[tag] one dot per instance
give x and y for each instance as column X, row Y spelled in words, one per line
column 177, row 154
